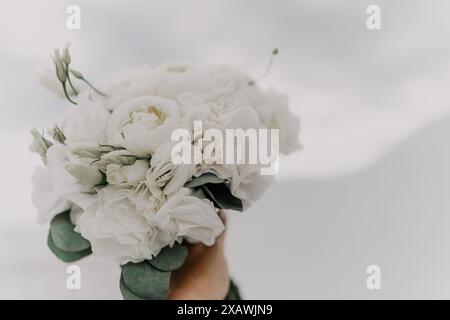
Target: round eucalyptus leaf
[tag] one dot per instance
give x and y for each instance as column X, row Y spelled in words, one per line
column 64, row 235
column 205, row 178
column 65, row 255
column 170, row 258
column 127, row 294
column 146, row 281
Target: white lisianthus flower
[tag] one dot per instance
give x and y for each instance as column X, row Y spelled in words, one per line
column 142, row 124
column 191, row 218
column 116, row 229
column 123, row 157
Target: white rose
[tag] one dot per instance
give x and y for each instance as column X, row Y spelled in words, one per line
column 142, row 124
column 130, row 175
column 189, row 217
column 117, row 230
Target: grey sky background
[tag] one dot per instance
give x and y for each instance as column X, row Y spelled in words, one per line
column 369, row 187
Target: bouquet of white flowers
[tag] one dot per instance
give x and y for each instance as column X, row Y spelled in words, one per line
column 141, row 163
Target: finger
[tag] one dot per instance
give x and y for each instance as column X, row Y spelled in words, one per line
column 223, row 216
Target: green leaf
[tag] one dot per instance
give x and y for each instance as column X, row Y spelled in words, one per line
column 64, row 235
column 170, row 258
column 64, row 255
column 127, row 294
column 233, row 292
column 215, row 190
column 203, row 179
column 221, row 196
column 146, row 281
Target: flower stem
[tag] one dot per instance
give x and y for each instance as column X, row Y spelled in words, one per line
column 92, row 87
column 70, row 81
column 66, row 94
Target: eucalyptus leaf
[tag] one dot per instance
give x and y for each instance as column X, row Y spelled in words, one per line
column 64, row 235
column 170, row 258
column 64, row 255
column 203, row 179
column 221, row 196
column 127, row 294
column 146, row 281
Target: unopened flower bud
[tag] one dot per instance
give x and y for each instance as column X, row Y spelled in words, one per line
column 40, row 144
column 66, row 55
column 88, row 175
column 87, row 150
column 59, row 66
column 76, row 74
column 57, row 134
column 122, row 157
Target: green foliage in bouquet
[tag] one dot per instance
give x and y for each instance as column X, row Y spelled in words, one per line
column 216, row 190
column 170, row 259
column 147, row 280
column 127, row 294
column 202, row 180
column 64, row 236
column 67, row 244
column 150, row 279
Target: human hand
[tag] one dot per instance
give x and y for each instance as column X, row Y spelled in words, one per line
column 204, row 275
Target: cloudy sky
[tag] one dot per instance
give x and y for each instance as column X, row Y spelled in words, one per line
column 360, row 94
